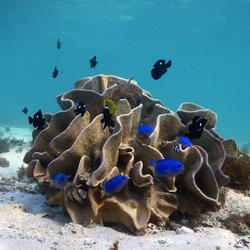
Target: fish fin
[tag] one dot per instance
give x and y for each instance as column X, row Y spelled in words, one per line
column 195, row 118
column 169, row 63
column 30, row 120
column 111, row 123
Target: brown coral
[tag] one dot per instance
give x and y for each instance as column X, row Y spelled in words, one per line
column 239, row 169
column 78, row 147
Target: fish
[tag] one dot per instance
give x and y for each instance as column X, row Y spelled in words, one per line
column 185, row 141
column 55, row 72
column 59, row 43
column 59, row 180
column 109, row 110
column 81, row 108
column 38, row 120
column 160, row 68
column 93, row 62
column 145, row 130
column 167, row 167
column 176, row 148
column 196, row 127
column 25, row 110
column 115, row 184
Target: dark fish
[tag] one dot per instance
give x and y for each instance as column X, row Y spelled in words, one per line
column 25, row 110
column 59, row 43
column 109, row 110
column 59, row 180
column 81, row 108
column 38, row 120
column 107, row 118
column 115, row 184
column 55, row 72
column 167, row 167
column 160, row 68
column 93, row 62
column 145, row 130
column 196, row 127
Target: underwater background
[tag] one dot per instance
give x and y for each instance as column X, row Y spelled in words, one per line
column 208, row 42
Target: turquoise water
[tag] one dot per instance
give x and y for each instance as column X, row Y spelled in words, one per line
column 207, row 40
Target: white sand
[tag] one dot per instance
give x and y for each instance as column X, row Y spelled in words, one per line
column 27, row 221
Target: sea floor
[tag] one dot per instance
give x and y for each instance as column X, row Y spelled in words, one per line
column 28, row 221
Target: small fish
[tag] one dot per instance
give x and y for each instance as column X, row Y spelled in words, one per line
column 145, row 130
column 109, row 110
column 59, row 43
column 167, row 167
column 176, row 148
column 25, row 110
column 196, row 127
column 160, row 68
column 93, row 62
column 55, row 72
column 81, row 108
column 115, row 184
column 38, row 120
column 185, row 141
column 59, row 180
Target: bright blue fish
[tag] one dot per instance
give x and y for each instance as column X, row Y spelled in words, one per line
column 145, row 130
column 59, row 180
column 167, row 167
column 115, row 184
column 185, row 141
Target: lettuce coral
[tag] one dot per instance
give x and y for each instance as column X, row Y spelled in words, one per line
column 79, row 147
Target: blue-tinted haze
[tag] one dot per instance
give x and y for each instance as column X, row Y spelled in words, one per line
column 207, row 40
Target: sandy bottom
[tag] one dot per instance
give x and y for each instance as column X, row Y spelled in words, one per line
column 28, row 221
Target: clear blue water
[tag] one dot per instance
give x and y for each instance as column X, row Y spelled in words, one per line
column 207, row 40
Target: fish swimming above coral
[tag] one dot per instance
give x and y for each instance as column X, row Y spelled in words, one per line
column 145, row 129
column 115, row 184
column 59, row 43
column 160, row 68
column 184, row 141
column 59, row 180
column 167, row 167
column 81, row 108
column 55, row 72
column 196, row 127
column 109, row 110
column 38, row 120
column 25, row 110
column 93, row 62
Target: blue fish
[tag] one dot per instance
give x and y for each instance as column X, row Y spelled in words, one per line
column 185, row 141
column 167, row 167
column 59, row 180
column 115, row 184
column 145, row 130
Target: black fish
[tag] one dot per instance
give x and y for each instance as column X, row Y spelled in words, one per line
column 25, row 110
column 196, row 127
column 107, row 119
column 59, row 43
column 160, row 68
column 38, row 120
column 93, row 62
column 81, row 108
column 55, row 72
